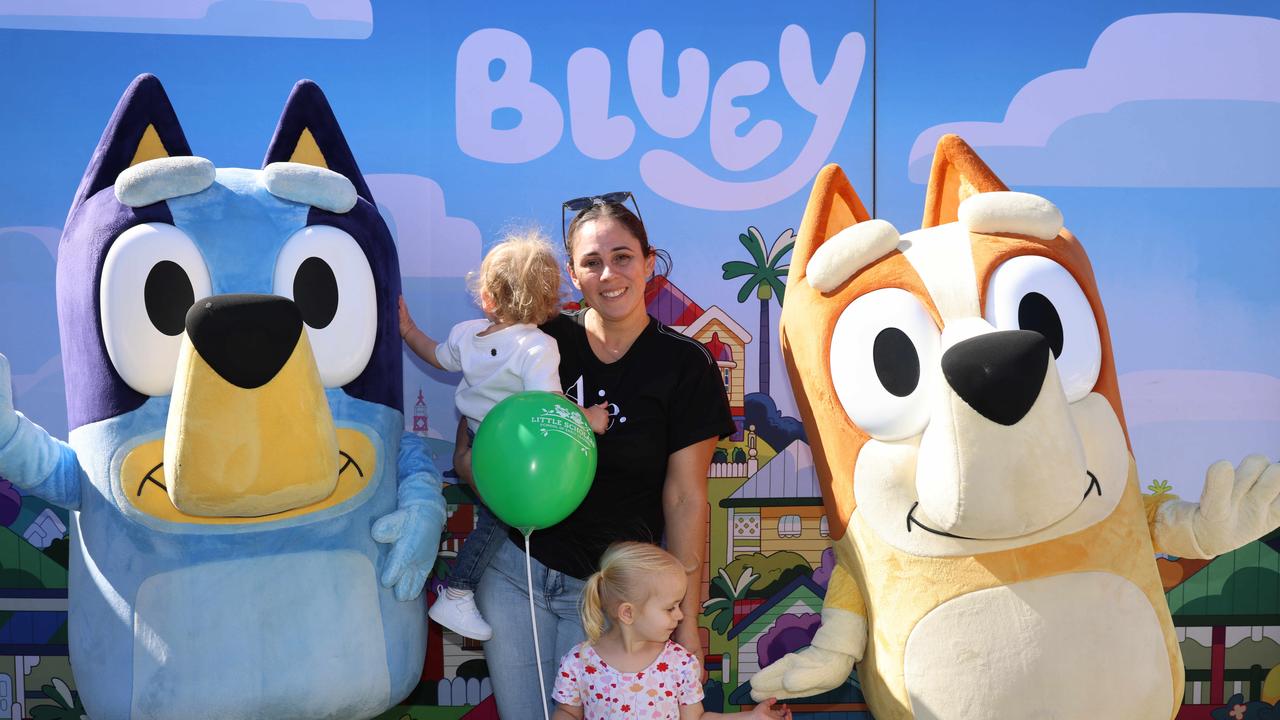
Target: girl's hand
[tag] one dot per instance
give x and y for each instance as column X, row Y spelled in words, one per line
column 766, row 709
column 598, row 417
column 406, row 321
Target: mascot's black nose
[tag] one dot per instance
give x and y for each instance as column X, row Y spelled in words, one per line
column 246, row 339
column 999, row 374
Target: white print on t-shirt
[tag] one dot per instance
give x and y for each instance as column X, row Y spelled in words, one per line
column 578, row 394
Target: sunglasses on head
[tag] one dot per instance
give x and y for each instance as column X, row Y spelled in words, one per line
column 577, row 205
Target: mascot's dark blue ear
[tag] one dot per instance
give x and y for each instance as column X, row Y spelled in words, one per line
column 143, row 127
column 308, row 133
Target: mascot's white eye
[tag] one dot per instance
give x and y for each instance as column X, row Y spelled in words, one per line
column 326, row 274
column 1035, row 293
column 883, row 351
column 152, row 275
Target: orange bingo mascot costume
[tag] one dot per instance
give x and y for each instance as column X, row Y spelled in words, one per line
column 995, row 554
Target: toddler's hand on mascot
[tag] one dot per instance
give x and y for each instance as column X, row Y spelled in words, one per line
column 1237, row 506
column 8, row 418
column 822, row 666
column 413, row 532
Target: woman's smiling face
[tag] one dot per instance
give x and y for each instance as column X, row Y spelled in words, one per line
column 610, row 269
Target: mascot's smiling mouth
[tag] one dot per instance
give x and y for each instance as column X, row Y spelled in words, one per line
column 142, row 481
column 1094, row 486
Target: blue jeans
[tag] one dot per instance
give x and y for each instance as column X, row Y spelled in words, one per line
column 504, row 601
column 478, row 549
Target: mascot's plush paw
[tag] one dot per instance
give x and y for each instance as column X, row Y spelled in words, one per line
column 1238, row 505
column 413, row 532
column 802, row 674
column 8, row 418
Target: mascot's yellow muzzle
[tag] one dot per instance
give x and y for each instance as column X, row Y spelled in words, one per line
column 249, row 430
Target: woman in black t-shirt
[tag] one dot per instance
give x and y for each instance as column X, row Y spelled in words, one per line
column 667, row 408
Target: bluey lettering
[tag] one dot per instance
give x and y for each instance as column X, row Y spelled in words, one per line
column 600, row 136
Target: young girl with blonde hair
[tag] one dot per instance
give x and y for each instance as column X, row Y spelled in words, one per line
column 629, row 667
column 518, row 288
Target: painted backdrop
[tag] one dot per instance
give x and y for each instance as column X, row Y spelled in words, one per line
column 1151, row 124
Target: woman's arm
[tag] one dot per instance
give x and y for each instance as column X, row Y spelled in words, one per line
column 684, row 510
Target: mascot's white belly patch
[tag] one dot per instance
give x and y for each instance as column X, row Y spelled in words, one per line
column 289, row 636
column 1071, row 647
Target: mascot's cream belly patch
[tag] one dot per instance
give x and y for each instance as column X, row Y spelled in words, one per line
column 1078, row 646
column 312, row 647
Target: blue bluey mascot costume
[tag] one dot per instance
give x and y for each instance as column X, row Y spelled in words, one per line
column 251, row 527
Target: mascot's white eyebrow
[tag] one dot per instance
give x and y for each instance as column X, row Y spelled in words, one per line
column 163, row 178
column 310, row 185
column 848, row 251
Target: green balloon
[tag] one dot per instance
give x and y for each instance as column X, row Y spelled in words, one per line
column 533, row 459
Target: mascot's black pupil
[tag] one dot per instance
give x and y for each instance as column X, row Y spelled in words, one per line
column 897, row 364
column 168, row 295
column 1035, row 312
column 315, row 292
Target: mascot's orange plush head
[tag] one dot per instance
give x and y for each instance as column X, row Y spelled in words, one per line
column 958, row 388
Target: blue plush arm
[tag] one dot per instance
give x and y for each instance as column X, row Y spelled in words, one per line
column 413, row 529
column 32, row 459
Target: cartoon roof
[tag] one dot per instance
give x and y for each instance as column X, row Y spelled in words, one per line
column 1241, row 587
column 716, row 313
column 669, row 304
column 762, row 617
column 788, row 479
column 26, row 567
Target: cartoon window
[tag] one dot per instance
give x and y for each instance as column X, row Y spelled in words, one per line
column 823, row 528
column 728, row 375
column 789, row 526
column 746, row 526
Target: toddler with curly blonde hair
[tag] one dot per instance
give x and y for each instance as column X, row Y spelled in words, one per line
column 518, row 288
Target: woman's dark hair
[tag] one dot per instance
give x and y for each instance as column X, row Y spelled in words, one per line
column 623, row 215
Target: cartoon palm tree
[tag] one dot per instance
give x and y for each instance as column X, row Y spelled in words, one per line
column 724, row 592
column 767, row 276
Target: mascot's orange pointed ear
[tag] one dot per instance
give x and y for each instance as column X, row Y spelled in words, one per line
column 957, row 173
column 806, row 318
column 308, row 133
column 833, row 206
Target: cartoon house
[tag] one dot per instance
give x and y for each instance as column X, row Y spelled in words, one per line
column 779, row 508
column 1227, row 617
column 785, row 623
column 33, row 623
column 723, row 337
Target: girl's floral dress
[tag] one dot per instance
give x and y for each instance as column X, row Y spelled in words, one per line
column 655, row 693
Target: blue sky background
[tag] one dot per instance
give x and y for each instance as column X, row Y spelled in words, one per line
column 1187, row 272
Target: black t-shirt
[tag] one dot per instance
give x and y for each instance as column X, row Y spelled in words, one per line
column 664, row 394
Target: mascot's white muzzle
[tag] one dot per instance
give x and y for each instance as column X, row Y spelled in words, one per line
column 1001, row 456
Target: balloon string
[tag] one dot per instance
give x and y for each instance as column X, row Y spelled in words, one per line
column 533, row 619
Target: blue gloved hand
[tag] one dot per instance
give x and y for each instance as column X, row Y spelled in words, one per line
column 413, row 529
column 8, row 417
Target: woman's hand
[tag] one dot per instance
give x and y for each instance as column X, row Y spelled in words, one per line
column 462, row 455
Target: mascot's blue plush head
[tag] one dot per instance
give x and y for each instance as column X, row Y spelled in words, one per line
column 252, row 527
